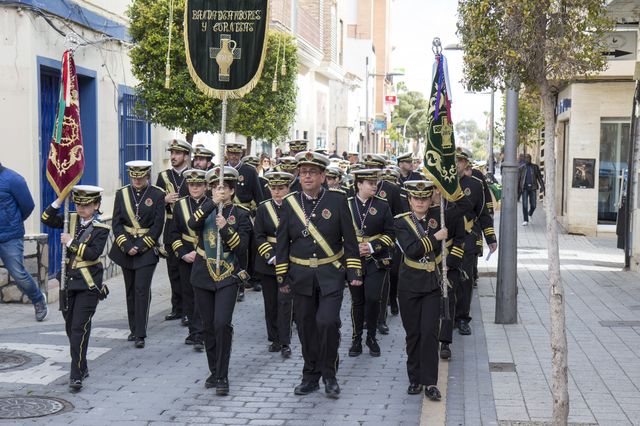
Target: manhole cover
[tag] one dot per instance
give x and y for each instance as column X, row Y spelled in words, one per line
column 9, row 360
column 25, row 407
column 502, row 367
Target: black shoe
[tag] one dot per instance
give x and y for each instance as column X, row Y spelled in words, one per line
column 356, row 347
column 285, row 351
column 463, row 328
column 75, row 384
column 185, row 321
column 475, row 283
column 394, row 307
column 257, row 287
column 414, row 389
column 372, row 344
column 84, row 374
column 383, row 328
column 240, row 297
column 222, row 387
column 190, row 340
column 331, row 388
column 306, row 387
column 445, row 351
column 433, row 393
column 139, row 342
column 210, row 382
column 275, row 347
column 172, row 316
column 198, row 345
column 131, row 338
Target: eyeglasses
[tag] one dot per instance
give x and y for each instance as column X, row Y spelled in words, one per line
column 309, row 172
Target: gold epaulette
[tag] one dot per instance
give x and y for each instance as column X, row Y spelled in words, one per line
column 97, row 224
column 157, row 187
column 380, row 198
column 401, row 215
column 337, row 190
column 240, row 206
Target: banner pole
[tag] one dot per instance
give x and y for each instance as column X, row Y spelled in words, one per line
column 445, row 279
column 221, row 149
column 63, row 266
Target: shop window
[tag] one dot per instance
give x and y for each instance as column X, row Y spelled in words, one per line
column 614, row 154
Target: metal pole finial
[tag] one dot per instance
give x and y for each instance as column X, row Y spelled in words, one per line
column 71, row 41
column 436, row 46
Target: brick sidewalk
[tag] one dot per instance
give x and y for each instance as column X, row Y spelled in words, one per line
column 163, row 383
column 602, row 305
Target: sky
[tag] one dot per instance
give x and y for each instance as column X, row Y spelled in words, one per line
column 414, row 24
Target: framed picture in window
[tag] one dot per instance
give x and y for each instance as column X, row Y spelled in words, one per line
column 583, row 173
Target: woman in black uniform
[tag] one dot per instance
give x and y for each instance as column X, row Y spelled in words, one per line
column 419, row 235
column 373, row 224
column 85, row 243
column 215, row 286
column 278, row 306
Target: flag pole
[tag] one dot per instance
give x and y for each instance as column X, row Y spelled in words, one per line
column 63, row 266
column 221, row 149
column 445, row 269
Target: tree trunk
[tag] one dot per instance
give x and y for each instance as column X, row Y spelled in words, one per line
column 559, row 350
column 249, row 143
column 189, row 137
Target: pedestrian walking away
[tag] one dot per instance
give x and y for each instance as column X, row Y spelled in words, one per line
column 215, row 276
column 529, row 182
column 172, row 181
column 315, row 241
column 85, row 243
column 16, row 205
column 138, row 219
column 278, row 306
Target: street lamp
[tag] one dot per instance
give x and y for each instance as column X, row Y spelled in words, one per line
column 367, row 74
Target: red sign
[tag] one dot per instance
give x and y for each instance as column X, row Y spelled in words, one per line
column 391, row 99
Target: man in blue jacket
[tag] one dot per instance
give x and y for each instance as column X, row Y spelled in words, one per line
column 16, row 205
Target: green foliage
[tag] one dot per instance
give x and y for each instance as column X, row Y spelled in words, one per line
column 181, row 106
column 408, row 103
column 469, row 135
column 265, row 114
column 531, row 40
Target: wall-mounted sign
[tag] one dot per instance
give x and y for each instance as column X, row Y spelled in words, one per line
column 391, row 99
column 621, row 45
column 583, row 173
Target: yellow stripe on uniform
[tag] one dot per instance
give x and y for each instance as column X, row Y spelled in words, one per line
column 427, row 244
column 264, row 248
column 45, row 216
column 149, row 241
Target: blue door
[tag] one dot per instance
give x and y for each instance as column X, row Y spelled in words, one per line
column 49, row 93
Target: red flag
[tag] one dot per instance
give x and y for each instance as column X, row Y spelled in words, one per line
column 65, row 164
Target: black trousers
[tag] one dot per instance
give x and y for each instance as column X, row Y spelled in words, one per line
column 366, row 300
column 420, row 313
column 318, row 320
column 137, row 284
column 251, row 256
column 278, row 310
column 446, row 325
column 390, row 289
column 465, row 289
column 82, row 306
column 173, row 270
column 189, row 308
column 216, row 309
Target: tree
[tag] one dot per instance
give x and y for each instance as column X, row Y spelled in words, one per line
column 472, row 137
column 181, row 106
column 408, row 103
column 263, row 113
column 530, row 121
column 539, row 43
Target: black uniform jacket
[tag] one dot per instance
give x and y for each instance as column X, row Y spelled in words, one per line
column 391, row 193
column 235, row 239
column 485, row 186
column 143, row 232
column 479, row 221
column 84, row 268
column 184, row 239
column 373, row 223
column 248, row 187
column 303, row 254
column 265, row 229
column 171, row 181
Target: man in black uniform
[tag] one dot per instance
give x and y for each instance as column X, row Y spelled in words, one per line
column 184, row 247
column 477, row 222
column 314, row 238
column 373, row 224
column 202, row 158
column 334, row 177
column 296, row 146
column 172, row 182
column 405, row 164
column 138, row 218
column 277, row 305
column 85, row 243
column 248, row 193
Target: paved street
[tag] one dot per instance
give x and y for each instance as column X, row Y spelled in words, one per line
column 163, row 383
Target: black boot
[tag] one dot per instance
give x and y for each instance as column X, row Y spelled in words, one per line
column 372, row 344
column 222, row 387
column 356, row 347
